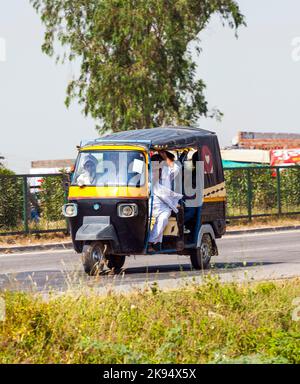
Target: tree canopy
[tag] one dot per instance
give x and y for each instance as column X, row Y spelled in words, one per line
column 1, row 164
column 136, row 66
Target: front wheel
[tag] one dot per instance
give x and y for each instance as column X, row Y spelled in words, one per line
column 200, row 257
column 93, row 259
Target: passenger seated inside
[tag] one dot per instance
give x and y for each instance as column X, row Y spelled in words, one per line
column 164, row 198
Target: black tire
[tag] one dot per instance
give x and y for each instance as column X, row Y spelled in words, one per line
column 115, row 262
column 200, row 257
column 93, row 259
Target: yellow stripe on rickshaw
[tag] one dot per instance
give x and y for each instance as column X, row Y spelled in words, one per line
column 214, row 199
column 87, row 192
column 110, row 146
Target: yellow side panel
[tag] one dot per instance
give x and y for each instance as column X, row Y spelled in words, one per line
column 214, row 199
column 171, row 228
column 216, row 193
column 218, row 190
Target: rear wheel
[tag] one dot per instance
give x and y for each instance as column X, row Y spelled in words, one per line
column 200, row 257
column 93, row 258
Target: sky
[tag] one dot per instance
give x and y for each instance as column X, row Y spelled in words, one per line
column 253, row 79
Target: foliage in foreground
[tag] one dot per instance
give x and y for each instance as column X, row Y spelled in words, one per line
column 136, row 68
column 206, row 323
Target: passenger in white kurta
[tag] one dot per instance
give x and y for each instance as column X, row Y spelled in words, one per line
column 164, row 199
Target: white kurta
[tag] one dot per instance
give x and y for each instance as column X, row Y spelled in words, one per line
column 86, row 179
column 161, row 212
column 164, row 201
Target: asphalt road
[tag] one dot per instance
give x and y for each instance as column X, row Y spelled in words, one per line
column 242, row 257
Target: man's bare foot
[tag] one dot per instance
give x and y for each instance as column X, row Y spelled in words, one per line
column 154, row 247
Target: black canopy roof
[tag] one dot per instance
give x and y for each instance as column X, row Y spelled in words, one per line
column 168, row 137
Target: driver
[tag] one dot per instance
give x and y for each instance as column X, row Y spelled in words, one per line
column 88, row 177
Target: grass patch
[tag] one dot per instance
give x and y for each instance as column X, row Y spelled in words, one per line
column 263, row 222
column 34, row 238
column 212, row 322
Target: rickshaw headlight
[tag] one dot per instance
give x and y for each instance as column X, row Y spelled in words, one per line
column 70, row 210
column 127, row 210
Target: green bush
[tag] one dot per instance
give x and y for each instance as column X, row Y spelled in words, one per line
column 263, row 188
column 52, row 197
column 236, row 189
column 290, row 189
column 11, row 200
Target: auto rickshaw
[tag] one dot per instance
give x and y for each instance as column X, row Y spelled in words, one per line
column 110, row 208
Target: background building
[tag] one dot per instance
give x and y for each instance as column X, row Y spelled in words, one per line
column 51, row 166
column 256, row 148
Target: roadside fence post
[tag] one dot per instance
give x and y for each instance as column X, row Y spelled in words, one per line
column 249, row 194
column 66, row 184
column 25, row 205
column 279, row 205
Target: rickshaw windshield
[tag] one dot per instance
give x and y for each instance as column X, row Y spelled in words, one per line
column 110, row 168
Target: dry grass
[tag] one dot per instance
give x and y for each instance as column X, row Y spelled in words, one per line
column 212, row 322
column 32, row 239
column 264, row 222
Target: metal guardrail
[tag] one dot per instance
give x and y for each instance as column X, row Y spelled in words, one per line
column 32, row 203
column 262, row 191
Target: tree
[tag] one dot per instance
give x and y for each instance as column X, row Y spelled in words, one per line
column 1, row 164
column 135, row 56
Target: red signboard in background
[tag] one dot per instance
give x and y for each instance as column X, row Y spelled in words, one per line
column 285, row 156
